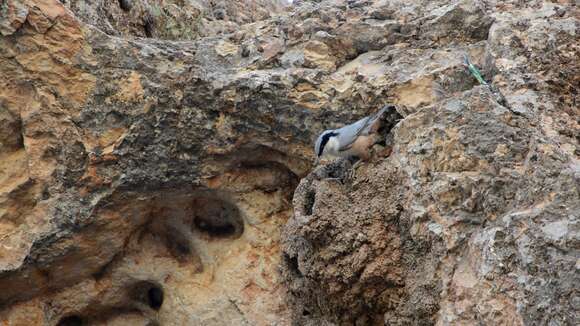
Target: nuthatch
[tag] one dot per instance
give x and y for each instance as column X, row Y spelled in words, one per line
column 352, row 140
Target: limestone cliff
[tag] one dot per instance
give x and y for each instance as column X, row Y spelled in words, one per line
column 156, row 163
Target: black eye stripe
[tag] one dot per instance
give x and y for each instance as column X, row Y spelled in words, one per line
column 325, row 139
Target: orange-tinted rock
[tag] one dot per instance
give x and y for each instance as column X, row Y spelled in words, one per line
column 147, row 180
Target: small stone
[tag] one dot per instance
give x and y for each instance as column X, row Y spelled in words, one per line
column 126, row 5
column 321, row 35
column 245, row 52
column 219, row 14
column 382, row 14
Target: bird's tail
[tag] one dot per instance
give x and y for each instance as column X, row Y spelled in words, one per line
column 382, row 111
column 374, row 124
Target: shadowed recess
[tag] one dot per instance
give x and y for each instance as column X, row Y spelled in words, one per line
column 72, row 320
column 217, row 218
column 309, row 202
column 291, row 263
column 148, row 293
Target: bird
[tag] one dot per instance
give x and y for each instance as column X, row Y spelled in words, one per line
column 355, row 139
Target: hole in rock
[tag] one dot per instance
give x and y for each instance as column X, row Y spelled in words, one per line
column 292, row 263
column 148, row 293
column 126, row 4
column 215, row 229
column 149, row 25
column 389, row 121
column 155, row 298
column 309, row 201
column 71, row 321
column 217, row 218
column 182, row 248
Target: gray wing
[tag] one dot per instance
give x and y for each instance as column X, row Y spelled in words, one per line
column 348, row 134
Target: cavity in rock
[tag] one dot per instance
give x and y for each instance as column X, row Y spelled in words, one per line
column 309, row 202
column 126, row 5
column 149, row 25
column 155, row 297
column 148, row 293
column 71, row 321
column 217, row 218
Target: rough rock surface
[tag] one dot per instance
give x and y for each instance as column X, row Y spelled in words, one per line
column 173, row 19
column 151, row 154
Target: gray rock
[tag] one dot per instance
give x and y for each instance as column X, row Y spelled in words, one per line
column 183, row 162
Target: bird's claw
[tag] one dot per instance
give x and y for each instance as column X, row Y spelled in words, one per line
column 350, row 175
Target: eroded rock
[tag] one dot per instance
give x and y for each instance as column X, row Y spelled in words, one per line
column 144, row 180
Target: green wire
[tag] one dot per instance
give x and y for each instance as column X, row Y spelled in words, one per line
column 474, row 71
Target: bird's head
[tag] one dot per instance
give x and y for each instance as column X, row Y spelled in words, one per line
column 321, row 148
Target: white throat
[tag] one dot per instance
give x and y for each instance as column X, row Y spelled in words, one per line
column 332, row 147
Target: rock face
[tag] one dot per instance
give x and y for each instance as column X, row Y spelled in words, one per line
column 171, row 19
column 155, row 163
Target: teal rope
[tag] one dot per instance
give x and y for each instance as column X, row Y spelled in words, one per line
column 474, row 71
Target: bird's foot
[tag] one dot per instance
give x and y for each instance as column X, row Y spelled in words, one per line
column 351, row 173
